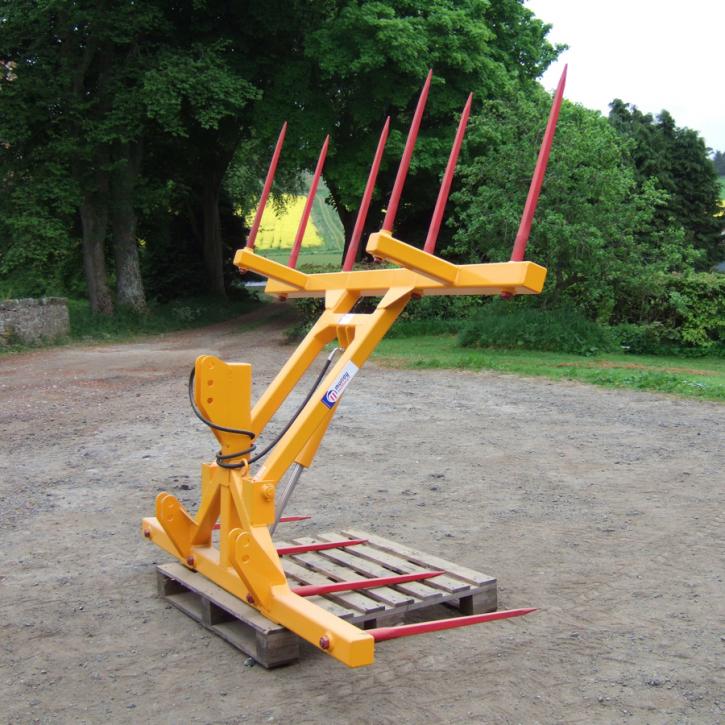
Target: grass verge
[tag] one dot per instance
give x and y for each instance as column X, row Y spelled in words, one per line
column 693, row 378
column 124, row 325
column 179, row 314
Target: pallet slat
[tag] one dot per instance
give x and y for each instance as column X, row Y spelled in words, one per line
column 349, row 603
column 386, row 595
column 368, row 567
column 305, row 566
column 423, row 559
column 403, row 566
column 272, row 645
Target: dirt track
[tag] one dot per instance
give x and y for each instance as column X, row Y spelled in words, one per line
column 602, row 508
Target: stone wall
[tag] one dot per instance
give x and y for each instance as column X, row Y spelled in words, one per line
column 31, row 320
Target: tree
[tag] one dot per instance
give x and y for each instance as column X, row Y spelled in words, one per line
column 718, row 161
column 72, row 103
column 370, row 61
column 592, row 228
column 678, row 162
column 135, row 107
column 135, row 80
column 220, row 92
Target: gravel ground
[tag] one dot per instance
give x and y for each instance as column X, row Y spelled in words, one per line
column 604, row 509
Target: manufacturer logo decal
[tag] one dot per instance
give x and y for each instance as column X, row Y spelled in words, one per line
column 338, row 387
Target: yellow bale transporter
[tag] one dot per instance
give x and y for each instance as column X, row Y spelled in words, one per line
column 245, row 504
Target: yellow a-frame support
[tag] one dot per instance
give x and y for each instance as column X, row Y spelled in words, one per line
column 246, row 562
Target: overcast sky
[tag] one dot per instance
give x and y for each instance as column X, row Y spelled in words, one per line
column 653, row 53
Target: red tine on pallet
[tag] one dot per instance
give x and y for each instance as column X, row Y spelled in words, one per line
column 522, row 236
column 310, row 590
column 406, row 630
column 308, row 205
column 392, row 211
column 302, row 548
column 445, row 190
column 362, row 213
column 267, row 187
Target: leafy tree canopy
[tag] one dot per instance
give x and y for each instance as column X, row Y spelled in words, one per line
column 718, row 161
column 370, row 60
column 677, row 160
column 592, row 228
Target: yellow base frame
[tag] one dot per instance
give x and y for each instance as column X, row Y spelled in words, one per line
column 246, row 563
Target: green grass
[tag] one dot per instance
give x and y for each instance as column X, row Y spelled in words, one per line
column 327, row 221
column 693, row 378
column 125, row 325
column 307, row 258
column 179, row 314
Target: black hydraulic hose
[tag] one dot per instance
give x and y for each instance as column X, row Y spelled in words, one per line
column 307, row 399
column 222, row 459
column 241, row 431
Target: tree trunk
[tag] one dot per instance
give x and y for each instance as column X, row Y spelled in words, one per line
column 212, row 242
column 129, row 285
column 217, row 150
column 94, row 221
column 347, row 218
column 348, row 224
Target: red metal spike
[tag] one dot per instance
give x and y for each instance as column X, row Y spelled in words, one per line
column 308, row 205
column 435, row 222
column 310, row 590
column 267, row 187
column 392, row 211
column 302, row 548
column 365, row 203
column 406, row 630
column 522, row 236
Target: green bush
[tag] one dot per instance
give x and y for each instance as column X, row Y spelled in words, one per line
column 436, row 315
column 419, row 328
column 443, row 307
column 646, row 339
column 506, row 325
column 675, row 314
column 160, row 317
column 308, row 310
column 426, row 316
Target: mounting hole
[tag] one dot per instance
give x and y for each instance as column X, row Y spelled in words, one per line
column 210, row 382
column 210, row 400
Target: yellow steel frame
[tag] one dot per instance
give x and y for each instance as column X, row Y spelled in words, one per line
column 246, row 562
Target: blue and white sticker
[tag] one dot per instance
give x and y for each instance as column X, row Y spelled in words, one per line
column 341, row 382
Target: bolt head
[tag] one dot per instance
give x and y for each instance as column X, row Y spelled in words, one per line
column 250, row 598
column 190, row 560
column 324, row 642
column 147, row 533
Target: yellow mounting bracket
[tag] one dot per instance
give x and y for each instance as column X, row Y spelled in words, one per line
column 242, row 502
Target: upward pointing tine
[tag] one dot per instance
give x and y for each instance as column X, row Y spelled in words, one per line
column 365, row 203
column 267, row 186
column 308, row 205
column 389, row 221
column 522, row 236
column 445, row 190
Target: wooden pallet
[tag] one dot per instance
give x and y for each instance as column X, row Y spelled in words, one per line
column 272, row 645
